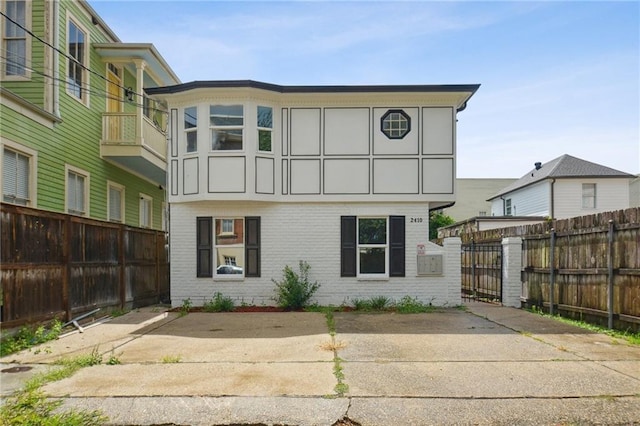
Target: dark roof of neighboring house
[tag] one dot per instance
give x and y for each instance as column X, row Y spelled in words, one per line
column 562, row 167
column 313, row 89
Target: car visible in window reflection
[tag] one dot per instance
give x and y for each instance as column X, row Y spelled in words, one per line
column 229, row 269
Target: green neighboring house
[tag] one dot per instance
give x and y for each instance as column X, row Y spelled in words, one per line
column 77, row 132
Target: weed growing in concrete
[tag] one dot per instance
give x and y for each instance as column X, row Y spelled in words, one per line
column 219, row 303
column 295, row 290
column 171, row 359
column 30, row 406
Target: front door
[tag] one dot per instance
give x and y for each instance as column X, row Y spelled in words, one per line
column 114, row 103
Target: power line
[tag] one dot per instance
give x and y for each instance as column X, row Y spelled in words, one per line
column 71, row 58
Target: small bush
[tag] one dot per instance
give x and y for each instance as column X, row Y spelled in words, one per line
column 219, row 303
column 295, row 290
column 377, row 303
column 186, row 307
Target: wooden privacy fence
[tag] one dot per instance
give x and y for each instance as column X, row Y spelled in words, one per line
column 55, row 265
column 586, row 267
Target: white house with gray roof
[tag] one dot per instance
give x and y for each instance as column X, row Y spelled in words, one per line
column 564, row 187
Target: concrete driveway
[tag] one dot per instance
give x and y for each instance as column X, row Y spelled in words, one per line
column 484, row 365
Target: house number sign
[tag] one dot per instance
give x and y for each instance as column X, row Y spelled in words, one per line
column 416, row 220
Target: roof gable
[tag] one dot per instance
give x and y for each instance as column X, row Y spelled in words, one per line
column 564, row 166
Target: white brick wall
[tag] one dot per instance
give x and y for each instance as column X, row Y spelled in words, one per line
column 291, row 232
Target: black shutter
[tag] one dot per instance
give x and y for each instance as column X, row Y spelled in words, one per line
column 252, row 246
column 348, row 246
column 204, row 246
column 396, row 243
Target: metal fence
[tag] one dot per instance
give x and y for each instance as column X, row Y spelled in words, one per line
column 482, row 271
column 55, row 265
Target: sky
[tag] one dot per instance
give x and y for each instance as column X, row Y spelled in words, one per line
column 557, row 77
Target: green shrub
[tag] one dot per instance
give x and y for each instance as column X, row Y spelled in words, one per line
column 295, row 290
column 219, row 303
column 411, row 305
column 29, row 336
column 377, row 303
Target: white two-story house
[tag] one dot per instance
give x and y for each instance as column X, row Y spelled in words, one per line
column 342, row 177
column 564, row 187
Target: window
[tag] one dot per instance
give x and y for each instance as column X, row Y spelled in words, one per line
column 265, row 127
column 229, row 245
column 588, row 195
column 507, row 207
column 146, row 211
column 15, row 48
column 395, row 124
column 236, row 252
column 372, row 246
column 76, row 66
column 115, row 202
column 227, row 123
column 77, row 191
column 191, row 128
column 16, row 173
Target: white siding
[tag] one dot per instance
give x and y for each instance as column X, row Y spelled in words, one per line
column 611, row 194
column 309, row 232
column 532, row 200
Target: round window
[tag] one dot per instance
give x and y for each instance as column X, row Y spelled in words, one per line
column 395, row 124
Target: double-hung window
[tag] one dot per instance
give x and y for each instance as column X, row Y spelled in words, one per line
column 115, row 202
column 191, row 128
column 228, row 247
column 372, row 247
column 265, row 128
column 15, row 48
column 227, row 127
column 588, row 195
column 146, row 211
column 77, row 191
column 16, row 171
column 507, row 207
column 77, row 61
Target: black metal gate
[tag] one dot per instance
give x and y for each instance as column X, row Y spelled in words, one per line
column 482, row 271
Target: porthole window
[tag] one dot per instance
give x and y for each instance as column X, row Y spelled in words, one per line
column 395, row 124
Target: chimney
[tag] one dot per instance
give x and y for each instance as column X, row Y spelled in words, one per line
column 538, row 165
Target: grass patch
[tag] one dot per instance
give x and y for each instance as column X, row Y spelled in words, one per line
column 30, row 406
column 411, row 305
column 630, row 337
column 29, row 336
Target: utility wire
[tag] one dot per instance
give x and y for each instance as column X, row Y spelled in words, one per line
column 71, row 58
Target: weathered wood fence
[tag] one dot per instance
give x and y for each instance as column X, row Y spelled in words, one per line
column 55, row 265
column 586, row 267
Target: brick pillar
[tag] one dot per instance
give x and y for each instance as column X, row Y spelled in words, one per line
column 453, row 274
column 511, row 271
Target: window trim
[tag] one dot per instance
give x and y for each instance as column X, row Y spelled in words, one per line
column 85, row 84
column 592, row 198
column 387, row 133
column 187, row 131
column 264, row 129
column 27, row 38
column 213, row 128
column 87, row 183
column 121, row 188
column 33, row 167
column 145, row 197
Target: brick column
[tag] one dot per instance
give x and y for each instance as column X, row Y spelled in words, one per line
column 452, row 270
column 511, row 271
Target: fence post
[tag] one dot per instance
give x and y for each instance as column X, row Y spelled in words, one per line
column 122, row 260
column 552, row 274
column 66, row 274
column 610, row 276
column 511, row 268
column 473, row 269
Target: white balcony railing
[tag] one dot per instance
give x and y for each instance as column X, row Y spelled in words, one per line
column 120, row 129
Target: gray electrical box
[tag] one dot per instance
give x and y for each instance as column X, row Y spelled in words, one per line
column 429, row 264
